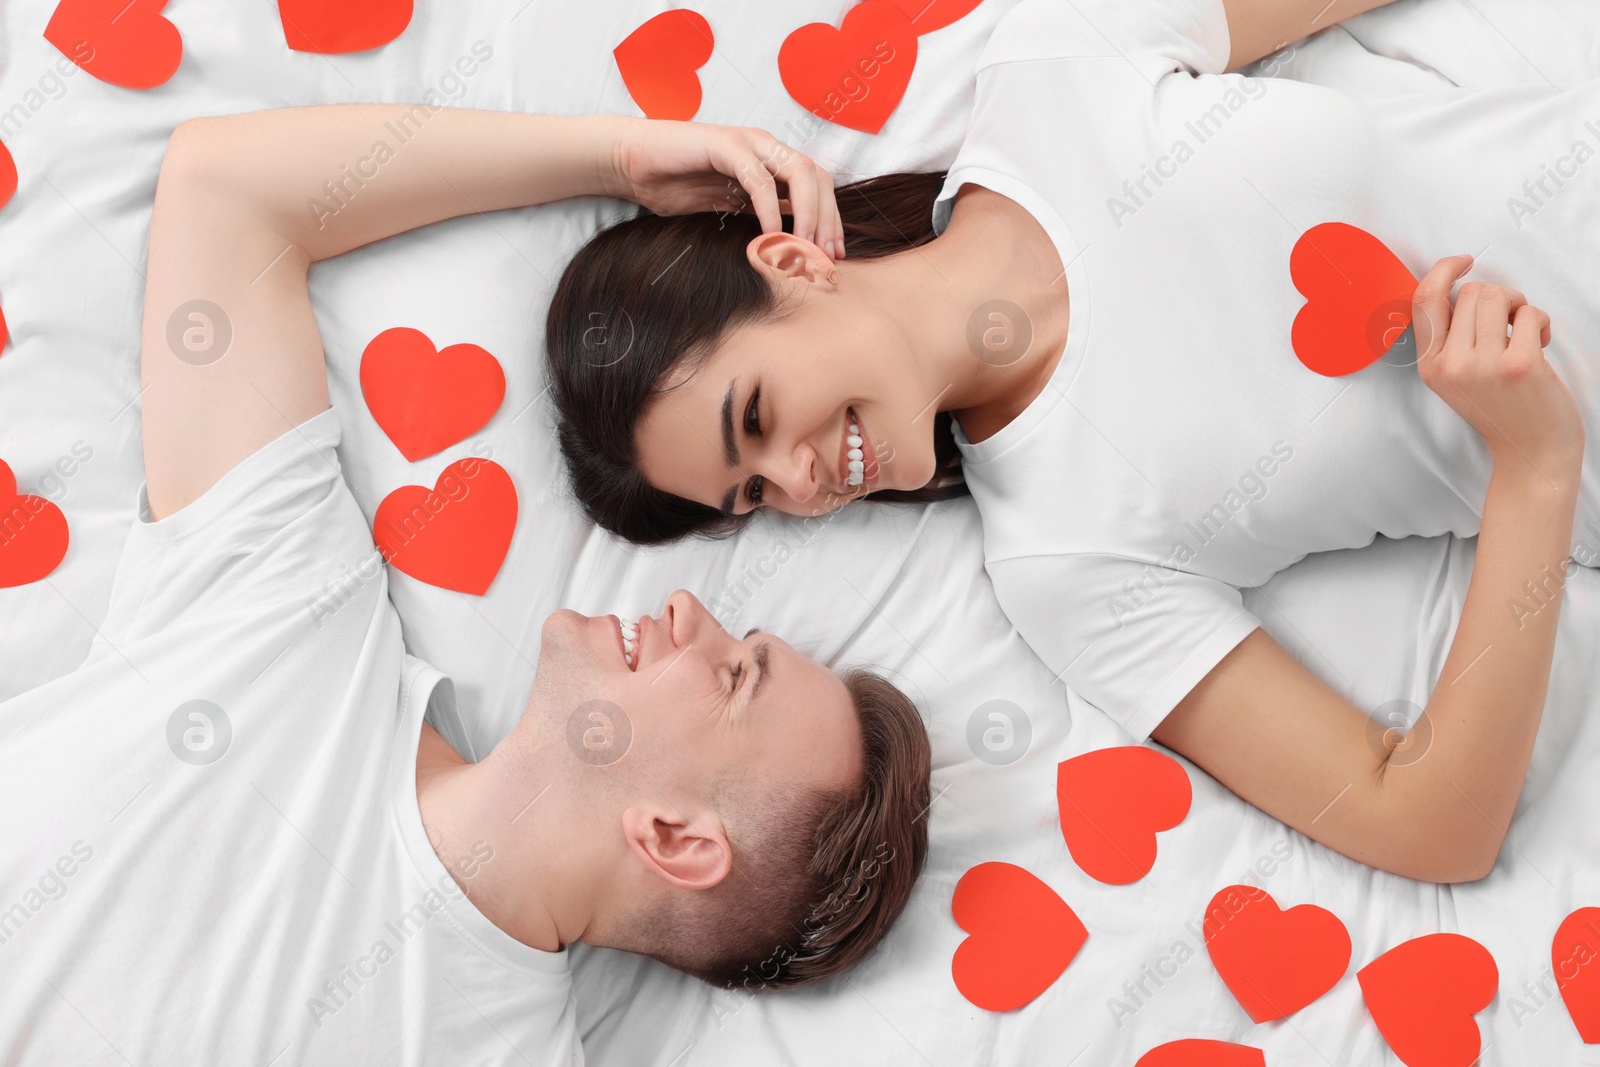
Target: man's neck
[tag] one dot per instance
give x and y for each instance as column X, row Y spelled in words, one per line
column 485, row 839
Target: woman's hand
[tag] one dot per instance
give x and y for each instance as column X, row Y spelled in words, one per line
column 1502, row 386
column 674, row 168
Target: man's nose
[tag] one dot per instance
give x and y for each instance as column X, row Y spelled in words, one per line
column 692, row 623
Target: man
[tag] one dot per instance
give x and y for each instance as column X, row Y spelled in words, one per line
column 235, row 839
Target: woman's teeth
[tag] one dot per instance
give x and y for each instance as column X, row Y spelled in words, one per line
column 858, row 466
column 630, row 637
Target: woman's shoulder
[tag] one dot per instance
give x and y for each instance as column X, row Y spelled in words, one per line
column 1190, row 33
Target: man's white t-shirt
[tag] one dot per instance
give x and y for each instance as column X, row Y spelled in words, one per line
column 1181, row 450
column 213, row 850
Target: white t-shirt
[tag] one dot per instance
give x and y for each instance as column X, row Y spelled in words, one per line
column 1181, row 450
column 248, row 880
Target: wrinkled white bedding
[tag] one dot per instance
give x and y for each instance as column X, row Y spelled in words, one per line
column 901, row 588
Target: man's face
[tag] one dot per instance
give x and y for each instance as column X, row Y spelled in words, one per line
column 696, row 701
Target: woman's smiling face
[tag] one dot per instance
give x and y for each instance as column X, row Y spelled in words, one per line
column 765, row 419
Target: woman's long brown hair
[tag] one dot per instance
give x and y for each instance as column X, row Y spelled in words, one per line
column 652, row 293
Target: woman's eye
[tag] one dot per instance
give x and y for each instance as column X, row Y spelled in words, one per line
column 738, row 673
column 752, row 427
column 752, row 417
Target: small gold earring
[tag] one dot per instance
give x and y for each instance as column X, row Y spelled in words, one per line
column 833, row 276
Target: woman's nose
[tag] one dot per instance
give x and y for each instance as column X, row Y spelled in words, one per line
column 799, row 479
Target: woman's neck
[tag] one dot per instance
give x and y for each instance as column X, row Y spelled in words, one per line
column 985, row 306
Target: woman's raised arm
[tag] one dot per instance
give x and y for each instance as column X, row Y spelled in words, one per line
column 332, row 178
column 230, row 355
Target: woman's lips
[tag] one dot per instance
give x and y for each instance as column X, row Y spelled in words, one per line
column 843, row 470
column 870, row 467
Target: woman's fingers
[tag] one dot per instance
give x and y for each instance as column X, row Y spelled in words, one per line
column 830, row 231
column 764, row 192
column 1517, row 303
column 801, row 189
column 827, row 233
column 1491, row 314
column 799, row 176
column 1430, row 304
column 747, row 168
column 1527, row 320
column 810, row 199
column 675, row 167
column 1496, row 305
column 1464, row 322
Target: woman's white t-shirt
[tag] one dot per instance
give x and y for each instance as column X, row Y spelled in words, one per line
column 213, row 851
column 1181, row 451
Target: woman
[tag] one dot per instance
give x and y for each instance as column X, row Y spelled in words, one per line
column 1099, row 317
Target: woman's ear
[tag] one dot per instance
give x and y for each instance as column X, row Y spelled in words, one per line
column 783, row 255
column 685, row 853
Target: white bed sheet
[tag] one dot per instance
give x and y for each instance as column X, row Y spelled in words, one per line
column 902, row 588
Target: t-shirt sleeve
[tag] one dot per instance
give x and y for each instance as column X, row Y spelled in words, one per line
column 1155, row 36
column 280, row 526
column 1094, row 100
column 1131, row 638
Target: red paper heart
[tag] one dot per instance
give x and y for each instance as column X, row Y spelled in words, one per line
column 5, row 331
column 8, row 176
column 330, row 27
column 1574, row 953
column 425, row 399
column 455, row 535
column 123, row 42
column 33, row 534
column 1423, row 993
column 1199, row 1052
column 1022, row 936
column 1358, row 298
column 929, row 15
column 1113, row 803
column 1274, row 962
column 659, row 59
column 854, row 75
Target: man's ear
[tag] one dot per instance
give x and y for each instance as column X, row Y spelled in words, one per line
column 783, row 255
column 685, row 853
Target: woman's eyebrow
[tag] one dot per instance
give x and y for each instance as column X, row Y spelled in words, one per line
column 730, row 447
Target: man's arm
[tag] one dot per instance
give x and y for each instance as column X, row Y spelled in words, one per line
column 233, row 235
column 1261, row 27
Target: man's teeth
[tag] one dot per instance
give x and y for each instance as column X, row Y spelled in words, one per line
column 858, row 466
column 630, row 637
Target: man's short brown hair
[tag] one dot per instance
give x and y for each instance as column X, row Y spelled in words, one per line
column 817, row 878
